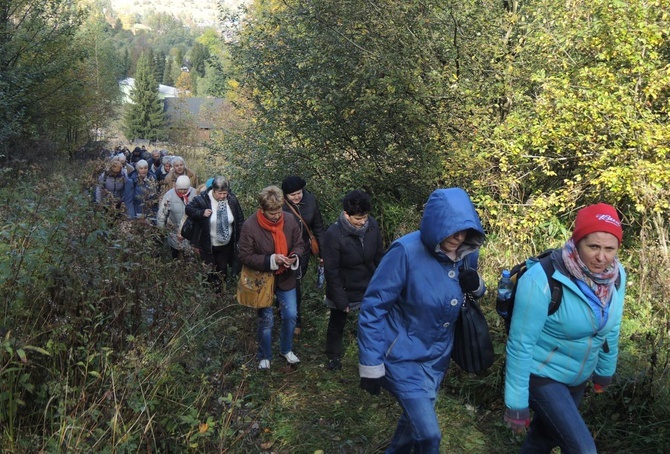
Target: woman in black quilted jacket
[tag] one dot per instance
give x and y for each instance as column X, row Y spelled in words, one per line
column 218, row 220
column 352, row 249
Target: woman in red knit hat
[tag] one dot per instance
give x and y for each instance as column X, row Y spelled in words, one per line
column 552, row 358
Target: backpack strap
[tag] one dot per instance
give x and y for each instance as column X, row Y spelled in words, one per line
column 555, row 286
column 617, row 284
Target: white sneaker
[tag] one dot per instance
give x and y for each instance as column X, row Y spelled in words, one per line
column 291, row 358
column 264, row 364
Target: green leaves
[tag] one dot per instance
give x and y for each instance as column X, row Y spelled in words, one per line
column 587, row 125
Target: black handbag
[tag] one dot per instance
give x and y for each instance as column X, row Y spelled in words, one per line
column 473, row 349
column 188, row 228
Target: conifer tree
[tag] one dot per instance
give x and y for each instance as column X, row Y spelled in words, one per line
column 199, row 55
column 144, row 117
column 168, row 79
column 159, row 65
column 125, row 63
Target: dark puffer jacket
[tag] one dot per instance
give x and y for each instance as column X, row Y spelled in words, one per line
column 196, row 209
column 348, row 264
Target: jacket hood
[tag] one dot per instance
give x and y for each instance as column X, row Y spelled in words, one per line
column 449, row 211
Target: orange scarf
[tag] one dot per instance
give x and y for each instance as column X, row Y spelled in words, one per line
column 277, row 231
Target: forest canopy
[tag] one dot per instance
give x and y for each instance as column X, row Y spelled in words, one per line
column 537, row 107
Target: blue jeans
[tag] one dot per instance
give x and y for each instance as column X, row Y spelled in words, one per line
column 287, row 306
column 557, row 421
column 417, row 429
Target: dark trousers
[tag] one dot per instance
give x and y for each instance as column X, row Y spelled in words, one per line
column 335, row 332
column 221, row 257
column 304, row 263
column 298, row 299
column 418, row 429
column 557, row 420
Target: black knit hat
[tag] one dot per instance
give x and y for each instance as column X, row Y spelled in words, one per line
column 292, row 184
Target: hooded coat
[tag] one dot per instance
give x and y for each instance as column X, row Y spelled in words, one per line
column 408, row 313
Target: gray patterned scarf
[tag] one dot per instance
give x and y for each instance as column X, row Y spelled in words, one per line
column 222, row 223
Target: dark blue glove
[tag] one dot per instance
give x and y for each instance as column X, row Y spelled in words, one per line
column 468, row 280
column 372, row 385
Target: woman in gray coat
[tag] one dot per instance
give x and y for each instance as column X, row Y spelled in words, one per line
column 172, row 212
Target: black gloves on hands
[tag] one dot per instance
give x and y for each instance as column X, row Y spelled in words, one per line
column 468, row 280
column 372, row 385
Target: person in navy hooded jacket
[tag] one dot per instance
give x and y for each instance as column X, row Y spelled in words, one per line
column 408, row 314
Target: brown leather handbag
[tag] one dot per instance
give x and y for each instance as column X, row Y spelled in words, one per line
column 314, row 244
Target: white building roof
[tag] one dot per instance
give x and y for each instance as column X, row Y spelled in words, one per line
column 164, row 91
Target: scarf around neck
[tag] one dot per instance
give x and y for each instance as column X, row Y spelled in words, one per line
column 184, row 197
column 276, row 229
column 222, row 222
column 351, row 230
column 602, row 284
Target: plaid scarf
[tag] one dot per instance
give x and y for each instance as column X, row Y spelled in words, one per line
column 602, row 284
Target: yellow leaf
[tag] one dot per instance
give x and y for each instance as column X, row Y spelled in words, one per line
column 203, row 428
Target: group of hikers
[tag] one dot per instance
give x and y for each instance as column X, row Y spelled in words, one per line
column 409, row 297
column 134, row 180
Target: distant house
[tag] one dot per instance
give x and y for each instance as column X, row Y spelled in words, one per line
column 164, row 91
column 137, row 28
column 198, row 113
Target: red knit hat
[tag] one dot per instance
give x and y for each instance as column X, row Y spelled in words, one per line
column 597, row 218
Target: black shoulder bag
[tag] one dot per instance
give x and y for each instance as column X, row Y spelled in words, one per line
column 473, row 349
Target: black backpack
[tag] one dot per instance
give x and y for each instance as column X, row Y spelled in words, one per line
column 544, row 259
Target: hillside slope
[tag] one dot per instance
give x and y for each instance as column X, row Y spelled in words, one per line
column 201, row 11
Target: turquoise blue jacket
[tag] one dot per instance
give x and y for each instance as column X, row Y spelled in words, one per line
column 406, row 320
column 566, row 346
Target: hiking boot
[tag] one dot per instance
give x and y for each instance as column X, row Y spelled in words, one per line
column 334, row 364
column 291, row 358
column 264, row 364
